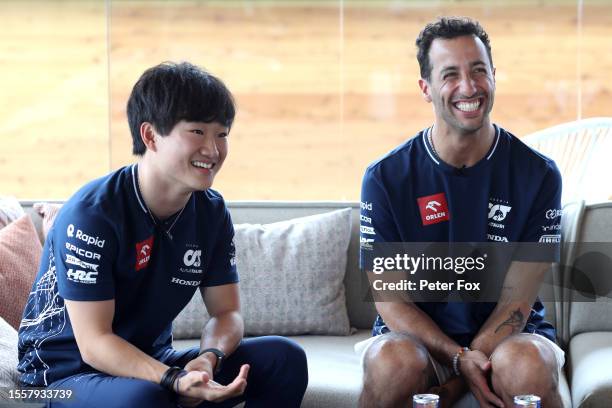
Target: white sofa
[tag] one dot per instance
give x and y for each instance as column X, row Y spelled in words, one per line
column 585, row 329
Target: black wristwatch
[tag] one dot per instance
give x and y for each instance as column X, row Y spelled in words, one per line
column 220, row 356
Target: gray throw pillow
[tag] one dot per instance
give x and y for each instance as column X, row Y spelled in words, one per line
column 291, row 278
column 9, row 376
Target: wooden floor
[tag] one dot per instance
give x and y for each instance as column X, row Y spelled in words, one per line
column 322, row 90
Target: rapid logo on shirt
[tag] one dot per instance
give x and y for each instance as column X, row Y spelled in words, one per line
column 143, row 253
column 433, row 208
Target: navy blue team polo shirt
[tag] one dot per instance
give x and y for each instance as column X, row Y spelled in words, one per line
column 512, row 195
column 105, row 244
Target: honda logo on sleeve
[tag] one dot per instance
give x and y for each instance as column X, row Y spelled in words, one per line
column 433, row 208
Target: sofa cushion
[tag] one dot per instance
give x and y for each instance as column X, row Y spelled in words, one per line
column 20, row 253
column 335, row 372
column 10, row 210
column 291, row 275
column 591, row 363
column 334, row 369
column 9, row 376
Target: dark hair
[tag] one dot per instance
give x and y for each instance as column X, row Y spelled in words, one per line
column 447, row 28
column 169, row 92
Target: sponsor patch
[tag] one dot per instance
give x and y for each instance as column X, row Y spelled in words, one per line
column 82, row 252
column 550, row 238
column 498, row 212
column 73, row 260
column 367, row 230
column 185, row 282
column 366, row 243
column 192, row 258
column 232, row 253
column 433, row 208
column 80, row 276
column 143, row 253
column 496, row 238
column 366, row 206
column 553, row 213
column 365, row 219
column 88, row 239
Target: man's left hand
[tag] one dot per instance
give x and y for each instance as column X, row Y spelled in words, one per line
column 475, row 367
column 200, row 363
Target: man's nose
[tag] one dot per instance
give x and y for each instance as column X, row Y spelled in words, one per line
column 209, row 148
column 467, row 86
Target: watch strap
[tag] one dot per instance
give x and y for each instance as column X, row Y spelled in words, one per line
column 218, row 353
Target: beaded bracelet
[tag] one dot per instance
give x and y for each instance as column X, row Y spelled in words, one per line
column 456, row 360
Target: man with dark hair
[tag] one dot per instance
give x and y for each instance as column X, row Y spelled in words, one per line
column 464, row 179
column 126, row 254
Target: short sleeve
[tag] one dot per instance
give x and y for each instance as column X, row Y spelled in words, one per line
column 222, row 267
column 84, row 250
column 376, row 222
column 544, row 221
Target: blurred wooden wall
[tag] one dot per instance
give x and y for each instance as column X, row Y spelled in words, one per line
column 321, row 90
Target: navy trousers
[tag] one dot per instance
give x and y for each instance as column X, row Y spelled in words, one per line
column 277, row 378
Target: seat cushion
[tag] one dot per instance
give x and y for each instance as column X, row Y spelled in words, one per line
column 590, row 356
column 335, row 372
column 334, row 369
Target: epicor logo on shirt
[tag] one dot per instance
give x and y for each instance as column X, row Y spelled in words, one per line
column 433, row 208
column 89, row 240
column 192, row 258
column 143, row 253
column 81, row 252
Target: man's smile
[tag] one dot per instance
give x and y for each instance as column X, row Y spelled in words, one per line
column 203, row 165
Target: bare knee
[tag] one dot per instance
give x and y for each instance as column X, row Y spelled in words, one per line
column 525, row 364
column 396, row 366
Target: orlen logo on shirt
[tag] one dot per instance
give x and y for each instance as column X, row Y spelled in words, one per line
column 433, row 208
column 143, row 253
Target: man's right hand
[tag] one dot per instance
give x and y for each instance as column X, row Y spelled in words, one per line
column 475, row 366
column 197, row 386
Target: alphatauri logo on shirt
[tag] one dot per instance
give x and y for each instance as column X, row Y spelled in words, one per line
column 433, row 208
column 498, row 212
column 192, row 258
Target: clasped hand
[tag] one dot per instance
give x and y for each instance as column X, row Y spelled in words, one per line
column 475, row 367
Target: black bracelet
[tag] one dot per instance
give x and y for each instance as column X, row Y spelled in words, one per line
column 171, row 374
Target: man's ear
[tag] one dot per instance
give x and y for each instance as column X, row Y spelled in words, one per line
column 147, row 134
column 424, row 90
